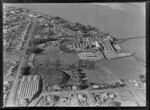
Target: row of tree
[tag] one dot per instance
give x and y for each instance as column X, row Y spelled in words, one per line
column 142, row 78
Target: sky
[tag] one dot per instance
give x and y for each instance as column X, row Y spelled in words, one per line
column 122, row 6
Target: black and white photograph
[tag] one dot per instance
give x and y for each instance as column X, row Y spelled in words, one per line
column 74, row 54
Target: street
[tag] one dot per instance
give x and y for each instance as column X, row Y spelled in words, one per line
column 34, row 102
column 12, row 93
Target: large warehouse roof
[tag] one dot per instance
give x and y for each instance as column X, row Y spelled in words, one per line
column 29, row 86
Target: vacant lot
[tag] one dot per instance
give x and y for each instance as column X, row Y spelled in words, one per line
column 125, row 95
column 51, row 54
column 8, row 56
column 141, row 96
column 110, row 71
column 40, row 60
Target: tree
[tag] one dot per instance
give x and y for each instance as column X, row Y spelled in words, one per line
column 33, row 71
column 142, row 78
column 87, row 47
column 57, row 63
column 72, row 66
column 26, row 70
column 122, row 80
column 37, row 50
column 80, row 70
column 83, row 87
column 117, row 84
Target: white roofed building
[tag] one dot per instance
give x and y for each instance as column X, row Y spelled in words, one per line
column 29, row 86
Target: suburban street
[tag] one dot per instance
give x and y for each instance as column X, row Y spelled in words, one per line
column 12, row 94
column 34, row 102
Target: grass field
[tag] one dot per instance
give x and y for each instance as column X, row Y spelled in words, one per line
column 107, row 71
column 7, row 56
column 51, row 54
column 125, row 95
column 40, row 60
column 110, row 71
column 141, row 96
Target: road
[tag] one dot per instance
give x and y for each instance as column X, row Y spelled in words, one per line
column 131, row 89
column 13, row 91
column 34, row 102
column 82, row 91
column 134, row 90
column 12, row 94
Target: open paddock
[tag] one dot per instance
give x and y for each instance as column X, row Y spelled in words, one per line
column 112, row 70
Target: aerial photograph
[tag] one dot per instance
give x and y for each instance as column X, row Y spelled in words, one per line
column 74, row 55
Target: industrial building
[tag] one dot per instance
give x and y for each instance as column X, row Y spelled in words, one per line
column 91, row 56
column 28, row 87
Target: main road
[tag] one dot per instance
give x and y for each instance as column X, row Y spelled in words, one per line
column 34, row 102
column 13, row 91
